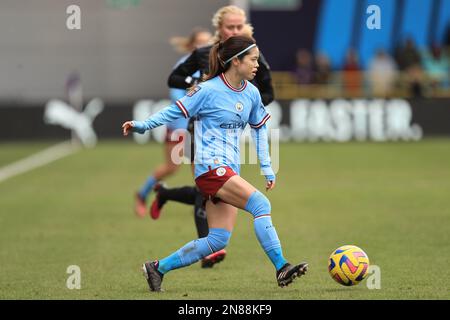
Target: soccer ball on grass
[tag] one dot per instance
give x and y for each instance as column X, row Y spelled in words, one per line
column 348, row 265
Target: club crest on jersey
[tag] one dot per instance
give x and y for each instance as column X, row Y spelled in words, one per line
column 193, row 91
column 221, row 171
column 239, row 107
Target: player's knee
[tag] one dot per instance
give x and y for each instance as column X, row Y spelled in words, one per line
column 218, row 238
column 258, row 204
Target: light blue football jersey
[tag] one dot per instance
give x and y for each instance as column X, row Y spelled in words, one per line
column 222, row 112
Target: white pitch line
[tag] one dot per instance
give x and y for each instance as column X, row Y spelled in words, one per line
column 36, row 160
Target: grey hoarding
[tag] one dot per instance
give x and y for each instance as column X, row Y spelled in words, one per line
column 299, row 120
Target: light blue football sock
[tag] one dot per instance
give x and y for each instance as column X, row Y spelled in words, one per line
column 268, row 238
column 148, row 186
column 169, row 263
column 195, row 250
column 276, row 256
column 259, row 206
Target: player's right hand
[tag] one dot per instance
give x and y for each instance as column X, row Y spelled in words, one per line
column 127, row 127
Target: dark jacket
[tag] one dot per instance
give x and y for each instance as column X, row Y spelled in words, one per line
column 199, row 60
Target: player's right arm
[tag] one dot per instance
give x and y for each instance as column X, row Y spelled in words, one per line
column 181, row 76
column 160, row 118
column 187, row 107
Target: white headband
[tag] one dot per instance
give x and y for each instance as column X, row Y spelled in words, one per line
column 238, row 54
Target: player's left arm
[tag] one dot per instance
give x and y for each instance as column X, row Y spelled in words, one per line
column 260, row 137
column 257, row 120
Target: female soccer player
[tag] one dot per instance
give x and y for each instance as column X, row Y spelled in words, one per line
column 198, row 38
column 228, row 21
column 225, row 103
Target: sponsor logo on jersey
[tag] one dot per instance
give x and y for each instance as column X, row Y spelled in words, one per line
column 233, row 125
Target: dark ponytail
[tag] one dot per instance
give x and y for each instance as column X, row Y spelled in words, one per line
column 223, row 51
column 216, row 64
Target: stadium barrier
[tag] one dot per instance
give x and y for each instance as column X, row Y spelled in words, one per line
column 298, row 120
column 361, row 84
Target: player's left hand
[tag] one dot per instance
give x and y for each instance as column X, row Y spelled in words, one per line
column 270, row 185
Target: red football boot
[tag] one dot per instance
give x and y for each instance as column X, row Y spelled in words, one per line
column 157, row 204
column 213, row 258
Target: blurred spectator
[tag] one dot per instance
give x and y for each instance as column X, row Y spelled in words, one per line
column 407, row 56
column 185, row 45
column 409, row 61
column 382, row 73
column 436, row 66
column 351, row 73
column 304, row 71
column 351, row 60
column 322, row 69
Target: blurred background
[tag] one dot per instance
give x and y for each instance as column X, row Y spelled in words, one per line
column 362, row 105
column 319, row 51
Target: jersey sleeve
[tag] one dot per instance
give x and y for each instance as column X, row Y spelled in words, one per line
column 165, row 116
column 192, row 102
column 260, row 138
column 258, row 114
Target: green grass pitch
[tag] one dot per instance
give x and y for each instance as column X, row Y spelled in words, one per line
column 390, row 199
